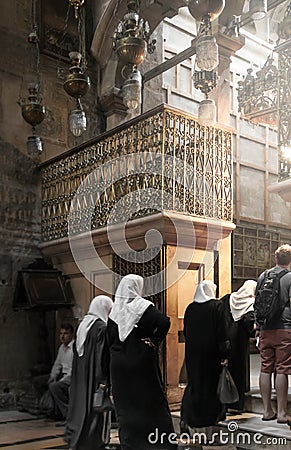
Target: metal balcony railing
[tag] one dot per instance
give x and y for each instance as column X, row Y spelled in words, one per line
column 163, row 160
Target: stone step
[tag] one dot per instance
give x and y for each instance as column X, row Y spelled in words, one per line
column 254, row 404
column 244, row 431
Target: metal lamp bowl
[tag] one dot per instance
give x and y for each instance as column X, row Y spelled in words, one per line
column 201, row 8
column 33, row 113
column 131, row 50
column 77, row 84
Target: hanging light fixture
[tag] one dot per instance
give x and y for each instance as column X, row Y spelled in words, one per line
column 206, row 46
column 207, row 112
column 77, row 121
column 32, row 110
column 131, row 90
column 258, row 9
column 131, row 43
column 33, row 113
column 206, row 81
column 131, row 37
column 266, row 97
column 201, row 8
column 77, row 83
column 207, row 60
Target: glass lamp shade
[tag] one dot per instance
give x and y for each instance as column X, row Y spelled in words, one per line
column 131, row 90
column 258, row 9
column 207, row 53
column 286, row 152
column 77, row 122
column 207, row 112
column 34, row 145
column 201, row 8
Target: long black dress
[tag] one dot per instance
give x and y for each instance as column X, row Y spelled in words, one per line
column 239, row 333
column 85, row 427
column 205, row 346
column 139, row 399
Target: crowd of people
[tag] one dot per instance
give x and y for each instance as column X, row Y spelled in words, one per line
column 116, row 348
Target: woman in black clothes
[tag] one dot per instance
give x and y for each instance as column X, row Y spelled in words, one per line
column 206, row 350
column 135, row 329
column 239, row 319
column 86, row 429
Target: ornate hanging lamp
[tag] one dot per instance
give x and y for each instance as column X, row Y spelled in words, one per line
column 207, row 60
column 131, row 43
column 33, row 112
column 77, row 83
column 258, row 9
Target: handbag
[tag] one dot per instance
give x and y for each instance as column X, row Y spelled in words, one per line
column 226, row 390
column 101, row 400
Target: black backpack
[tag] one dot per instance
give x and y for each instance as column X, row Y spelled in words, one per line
column 268, row 304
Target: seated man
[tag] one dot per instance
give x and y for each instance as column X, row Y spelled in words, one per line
column 59, row 379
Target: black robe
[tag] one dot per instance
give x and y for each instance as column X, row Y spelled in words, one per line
column 205, row 346
column 84, row 426
column 239, row 333
column 139, row 399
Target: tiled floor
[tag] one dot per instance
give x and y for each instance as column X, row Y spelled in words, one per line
column 22, row 431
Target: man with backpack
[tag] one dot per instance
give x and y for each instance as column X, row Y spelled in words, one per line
column 273, row 318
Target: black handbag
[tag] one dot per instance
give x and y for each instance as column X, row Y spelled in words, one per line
column 226, row 390
column 101, row 400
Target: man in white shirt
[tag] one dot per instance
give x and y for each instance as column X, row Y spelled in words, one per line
column 58, row 381
column 60, row 376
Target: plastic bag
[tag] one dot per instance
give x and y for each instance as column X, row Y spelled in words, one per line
column 226, row 389
column 46, row 403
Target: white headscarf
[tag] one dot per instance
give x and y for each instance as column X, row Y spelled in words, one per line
column 100, row 308
column 128, row 306
column 206, row 290
column 242, row 301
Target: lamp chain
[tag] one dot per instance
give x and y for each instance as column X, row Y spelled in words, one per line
column 61, row 70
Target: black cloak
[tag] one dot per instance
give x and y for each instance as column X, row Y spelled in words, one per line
column 85, row 428
column 140, row 402
column 205, row 346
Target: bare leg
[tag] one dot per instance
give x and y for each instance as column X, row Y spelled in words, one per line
column 265, row 387
column 282, row 395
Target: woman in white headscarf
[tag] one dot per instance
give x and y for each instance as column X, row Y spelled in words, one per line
column 135, row 329
column 86, row 429
column 205, row 350
column 240, row 322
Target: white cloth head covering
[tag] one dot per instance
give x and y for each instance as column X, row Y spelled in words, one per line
column 242, row 301
column 100, row 308
column 128, row 306
column 206, row 290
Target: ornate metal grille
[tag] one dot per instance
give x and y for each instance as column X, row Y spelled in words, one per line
column 151, row 263
column 284, row 107
column 178, row 165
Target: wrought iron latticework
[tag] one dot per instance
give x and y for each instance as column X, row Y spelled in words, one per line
column 266, row 97
column 160, row 161
column 284, row 111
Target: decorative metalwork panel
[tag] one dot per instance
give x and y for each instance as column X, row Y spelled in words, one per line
column 148, row 264
column 284, row 102
column 163, row 160
column 254, row 250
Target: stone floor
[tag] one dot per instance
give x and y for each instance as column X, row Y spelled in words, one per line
column 22, row 431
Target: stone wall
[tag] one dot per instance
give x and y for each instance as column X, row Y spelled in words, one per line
column 19, row 238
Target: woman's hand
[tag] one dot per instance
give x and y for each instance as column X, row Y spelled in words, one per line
column 224, row 362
